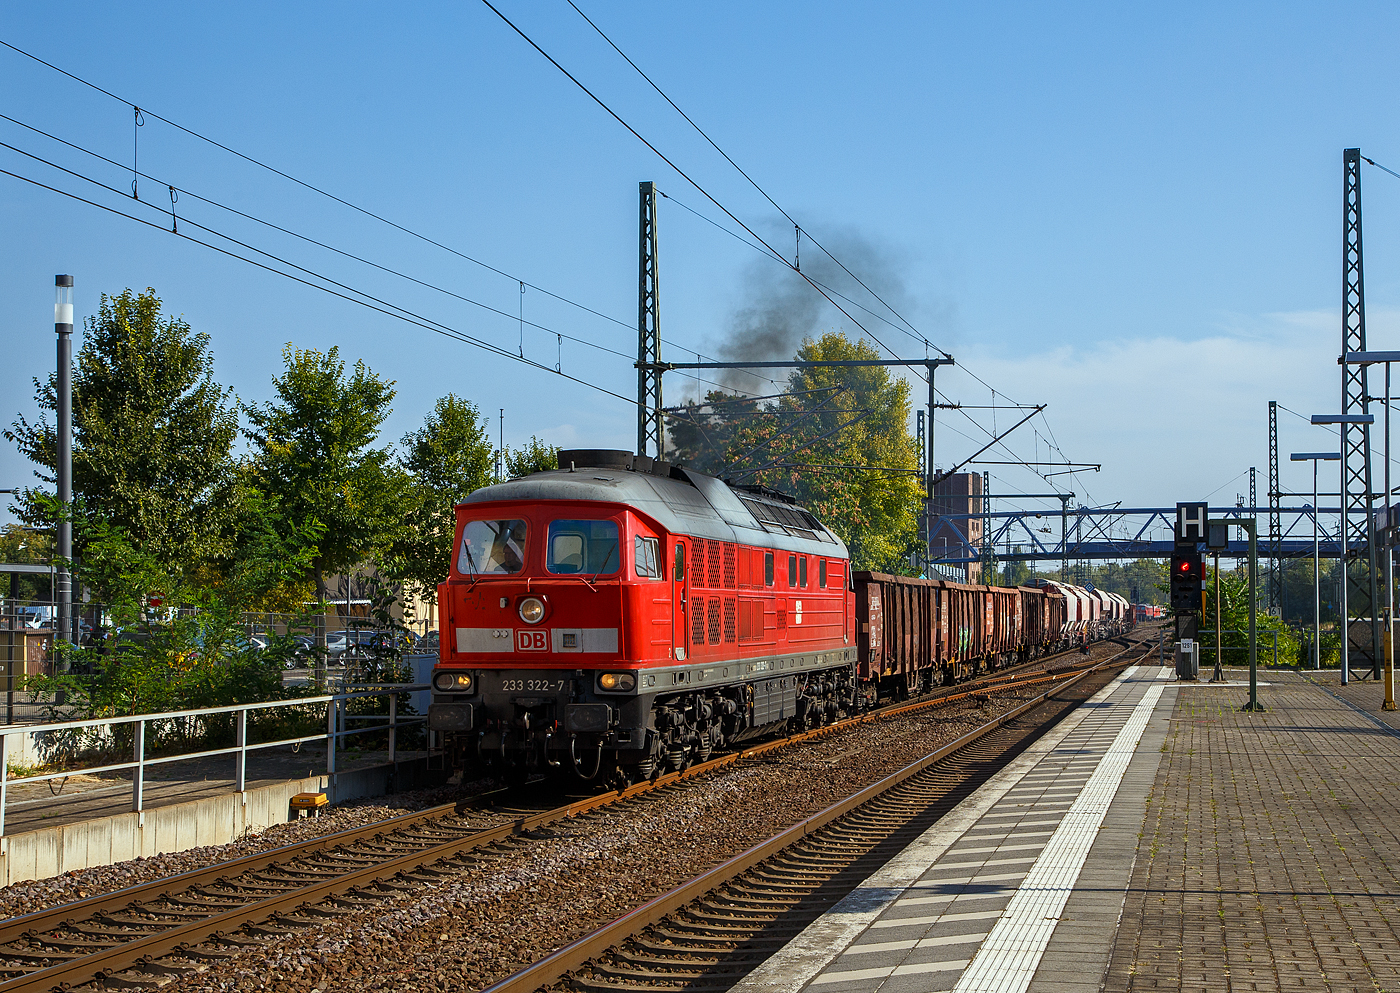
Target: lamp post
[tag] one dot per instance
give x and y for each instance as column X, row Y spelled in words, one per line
column 1342, row 420
column 63, row 327
column 1314, row 458
column 1385, row 358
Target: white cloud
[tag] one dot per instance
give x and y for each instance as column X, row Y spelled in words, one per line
column 1170, row 418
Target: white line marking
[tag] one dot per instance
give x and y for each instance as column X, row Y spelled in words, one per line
column 954, row 863
column 983, row 915
column 903, row 970
column 992, row 848
column 1008, row 958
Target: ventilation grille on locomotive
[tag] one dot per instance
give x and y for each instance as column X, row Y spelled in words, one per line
column 714, row 620
column 790, row 519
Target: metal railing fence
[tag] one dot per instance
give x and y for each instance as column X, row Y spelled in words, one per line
column 337, row 718
column 1208, row 643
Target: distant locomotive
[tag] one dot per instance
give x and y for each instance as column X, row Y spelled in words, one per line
column 621, row 615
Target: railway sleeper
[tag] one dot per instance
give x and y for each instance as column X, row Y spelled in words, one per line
column 617, row 987
column 736, row 900
column 701, row 938
column 723, row 898
column 48, row 955
column 647, row 942
column 132, row 981
column 686, row 975
column 732, row 916
column 695, row 959
column 705, row 931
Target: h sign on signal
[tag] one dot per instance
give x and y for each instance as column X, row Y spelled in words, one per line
column 1190, row 523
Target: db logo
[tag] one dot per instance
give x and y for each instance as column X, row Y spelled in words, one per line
column 532, row 641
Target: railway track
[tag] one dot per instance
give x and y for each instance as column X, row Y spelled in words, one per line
column 204, row 916
column 706, row 935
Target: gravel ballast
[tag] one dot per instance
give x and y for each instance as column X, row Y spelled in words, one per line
column 499, row 909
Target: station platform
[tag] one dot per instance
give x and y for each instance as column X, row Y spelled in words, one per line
column 1157, row 838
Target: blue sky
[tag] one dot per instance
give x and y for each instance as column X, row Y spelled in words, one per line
column 1130, row 214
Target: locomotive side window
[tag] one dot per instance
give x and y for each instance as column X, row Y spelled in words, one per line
column 680, row 562
column 583, row 547
column 646, row 558
column 802, row 572
column 792, row 572
column 492, row 548
column 821, row 573
column 767, row 568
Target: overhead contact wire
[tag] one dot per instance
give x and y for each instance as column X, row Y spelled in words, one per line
column 679, row 171
column 401, row 314
column 752, row 182
column 143, row 111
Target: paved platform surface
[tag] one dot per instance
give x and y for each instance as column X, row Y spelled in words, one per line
column 1158, row 838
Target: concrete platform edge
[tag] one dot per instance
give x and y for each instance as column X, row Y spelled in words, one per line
column 179, row 827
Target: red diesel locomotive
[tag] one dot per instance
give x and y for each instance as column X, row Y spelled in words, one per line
column 626, row 613
column 621, row 615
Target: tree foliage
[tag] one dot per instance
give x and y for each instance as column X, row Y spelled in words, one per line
column 152, row 435
column 444, row 460
column 26, row 546
column 837, row 440
column 533, row 456
column 1234, row 623
column 314, row 455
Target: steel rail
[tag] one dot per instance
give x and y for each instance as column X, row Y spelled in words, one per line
column 564, row 960
column 144, row 947
column 42, row 920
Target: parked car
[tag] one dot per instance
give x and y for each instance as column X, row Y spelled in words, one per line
column 352, row 643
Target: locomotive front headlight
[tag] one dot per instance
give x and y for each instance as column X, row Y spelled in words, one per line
column 452, row 682
column 617, row 681
column 532, row 610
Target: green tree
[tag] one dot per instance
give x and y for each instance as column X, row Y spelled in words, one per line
column 26, row 546
column 152, row 435
column 1147, row 577
column 533, row 456
column 315, row 455
column 445, row 460
column 837, row 440
column 168, row 645
column 1234, row 624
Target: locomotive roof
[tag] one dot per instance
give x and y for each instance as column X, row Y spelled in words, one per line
column 681, row 501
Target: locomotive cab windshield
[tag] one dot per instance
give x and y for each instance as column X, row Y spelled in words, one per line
column 492, row 548
column 588, row 547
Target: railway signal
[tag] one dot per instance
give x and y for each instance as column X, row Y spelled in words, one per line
column 1188, row 573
